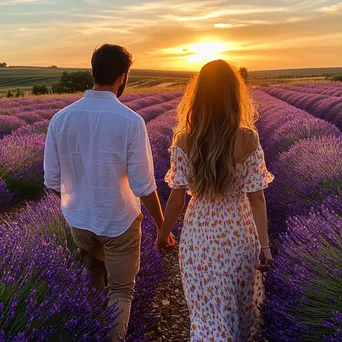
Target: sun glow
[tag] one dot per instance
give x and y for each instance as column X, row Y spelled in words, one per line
column 193, row 56
column 206, row 51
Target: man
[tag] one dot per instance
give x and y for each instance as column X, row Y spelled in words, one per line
column 98, row 157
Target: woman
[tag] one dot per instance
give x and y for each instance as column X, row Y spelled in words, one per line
column 216, row 156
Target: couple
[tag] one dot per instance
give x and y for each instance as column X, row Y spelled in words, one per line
column 98, row 159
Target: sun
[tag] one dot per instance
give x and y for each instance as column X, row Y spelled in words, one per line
column 204, row 52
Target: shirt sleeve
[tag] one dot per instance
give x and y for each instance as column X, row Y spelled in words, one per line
column 139, row 161
column 52, row 170
column 257, row 176
column 177, row 176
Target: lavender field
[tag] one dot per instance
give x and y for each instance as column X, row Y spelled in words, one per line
column 42, row 289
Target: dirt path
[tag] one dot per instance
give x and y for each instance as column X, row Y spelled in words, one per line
column 169, row 306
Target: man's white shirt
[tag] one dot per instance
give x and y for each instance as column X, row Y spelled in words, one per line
column 98, row 155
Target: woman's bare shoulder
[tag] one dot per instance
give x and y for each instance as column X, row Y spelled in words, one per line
column 247, row 141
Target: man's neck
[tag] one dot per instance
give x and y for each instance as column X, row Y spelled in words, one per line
column 110, row 88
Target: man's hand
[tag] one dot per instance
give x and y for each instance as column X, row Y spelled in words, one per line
column 165, row 243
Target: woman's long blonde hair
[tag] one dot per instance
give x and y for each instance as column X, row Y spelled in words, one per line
column 216, row 104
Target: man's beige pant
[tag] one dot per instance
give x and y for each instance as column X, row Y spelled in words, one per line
column 121, row 265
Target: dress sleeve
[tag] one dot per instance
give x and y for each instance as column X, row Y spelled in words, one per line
column 257, row 176
column 177, row 176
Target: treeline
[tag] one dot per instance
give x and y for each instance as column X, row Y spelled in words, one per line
column 70, row 82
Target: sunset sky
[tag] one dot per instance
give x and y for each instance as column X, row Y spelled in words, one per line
column 175, row 34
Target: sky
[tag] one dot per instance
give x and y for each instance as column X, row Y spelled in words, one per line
column 174, row 34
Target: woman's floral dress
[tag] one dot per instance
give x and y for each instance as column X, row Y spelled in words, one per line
column 219, row 249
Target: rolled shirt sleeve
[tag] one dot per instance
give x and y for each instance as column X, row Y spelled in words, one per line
column 140, row 161
column 52, row 170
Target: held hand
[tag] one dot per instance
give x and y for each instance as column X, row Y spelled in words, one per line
column 266, row 260
column 165, row 244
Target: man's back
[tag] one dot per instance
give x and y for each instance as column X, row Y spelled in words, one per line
column 98, row 156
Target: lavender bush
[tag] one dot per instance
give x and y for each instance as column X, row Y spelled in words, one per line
column 304, row 176
column 39, row 127
column 44, row 295
column 304, row 288
column 295, row 130
column 319, row 105
column 21, row 163
column 7, row 198
column 9, row 123
column 29, row 117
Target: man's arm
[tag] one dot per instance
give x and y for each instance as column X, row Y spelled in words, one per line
column 52, row 171
column 152, row 204
column 141, row 171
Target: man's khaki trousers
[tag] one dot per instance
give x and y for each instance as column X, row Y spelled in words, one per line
column 121, row 265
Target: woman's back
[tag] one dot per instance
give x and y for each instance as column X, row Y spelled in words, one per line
column 250, row 170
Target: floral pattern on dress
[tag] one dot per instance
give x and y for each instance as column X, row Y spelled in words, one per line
column 218, row 251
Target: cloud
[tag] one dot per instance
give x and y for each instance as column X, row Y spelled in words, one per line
column 227, row 12
column 16, row 2
column 331, row 9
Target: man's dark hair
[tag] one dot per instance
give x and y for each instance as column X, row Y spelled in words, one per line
column 109, row 62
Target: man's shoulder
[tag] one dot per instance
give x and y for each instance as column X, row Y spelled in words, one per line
column 115, row 107
column 65, row 110
column 127, row 112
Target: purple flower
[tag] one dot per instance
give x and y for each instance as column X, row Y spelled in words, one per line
column 21, row 162
column 303, row 286
column 8, row 123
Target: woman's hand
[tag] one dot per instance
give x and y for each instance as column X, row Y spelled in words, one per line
column 266, row 260
column 165, row 243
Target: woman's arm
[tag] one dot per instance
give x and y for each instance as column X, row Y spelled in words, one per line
column 174, row 207
column 258, row 205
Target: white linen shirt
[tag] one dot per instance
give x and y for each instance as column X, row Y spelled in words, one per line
column 98, row 156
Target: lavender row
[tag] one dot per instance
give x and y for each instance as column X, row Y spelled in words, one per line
column 305, row 155
column 303, row 289
column 21, row 167
column 322, row 106
column 282, row 125
column 330, row 89
column 151, row 112
column 15, row 114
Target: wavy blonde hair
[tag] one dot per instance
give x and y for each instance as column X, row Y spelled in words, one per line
column 215, row 105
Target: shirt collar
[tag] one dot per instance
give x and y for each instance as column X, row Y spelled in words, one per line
column 99, row 94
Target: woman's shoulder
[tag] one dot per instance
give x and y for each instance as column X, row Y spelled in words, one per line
column 246, row 143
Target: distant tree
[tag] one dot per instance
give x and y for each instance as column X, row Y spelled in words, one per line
column 337, row 78
column 9, row 93
column 19, row 93
column 53, row 67
column 57, row 88
column 3, row 65
column 244, row 73
column 72, row 82
column 40, row 89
